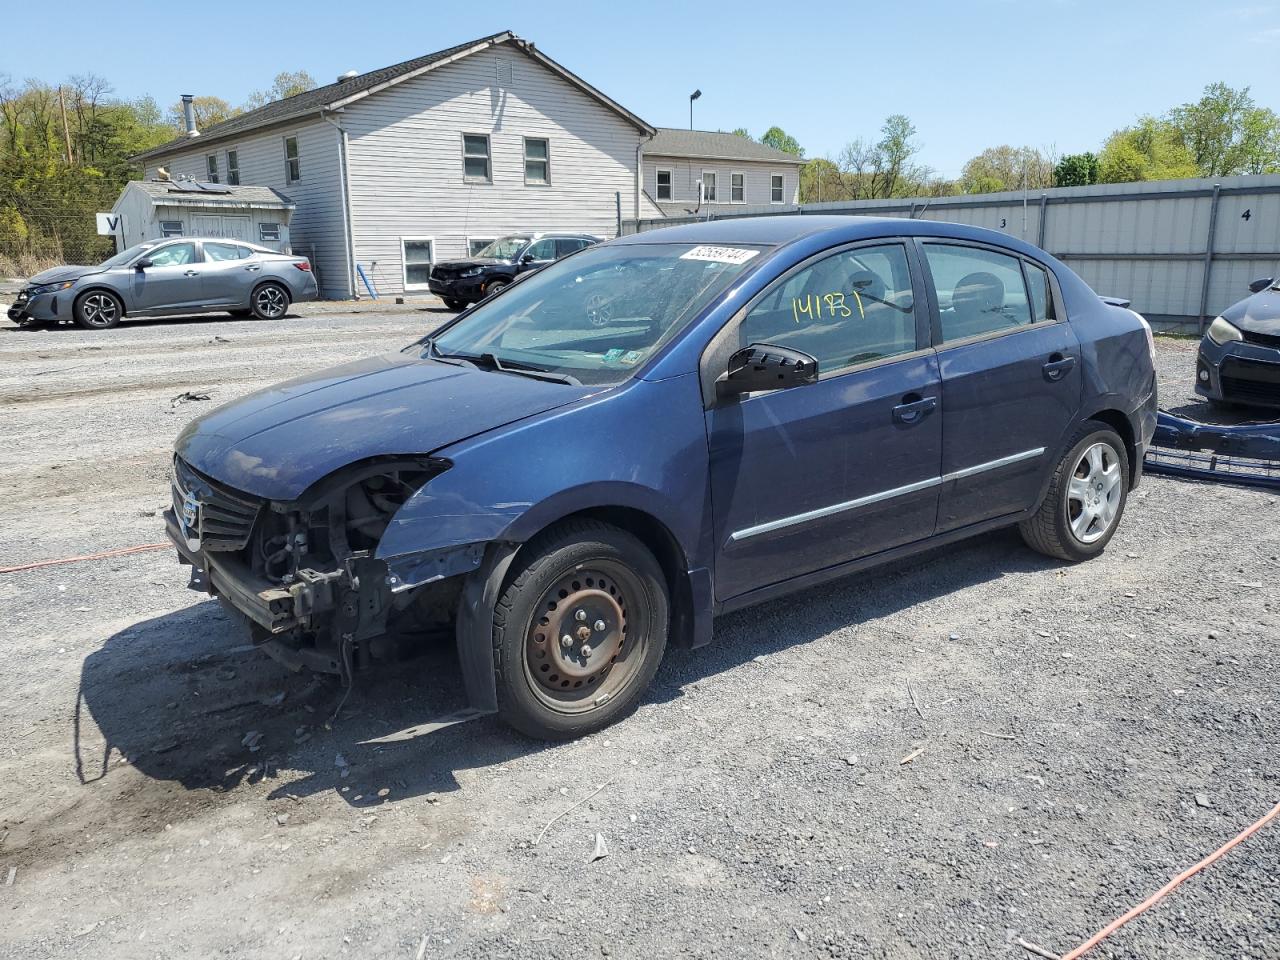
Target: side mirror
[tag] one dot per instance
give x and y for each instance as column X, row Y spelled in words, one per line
column 764, row 366
column 527, row 258
column 143, row 264
column 1261, row 284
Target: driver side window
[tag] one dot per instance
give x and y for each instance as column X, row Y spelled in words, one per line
column 174, row 255
column 542, row 250
column 850, row 308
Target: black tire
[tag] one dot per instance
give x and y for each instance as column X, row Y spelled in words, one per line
column 455, row 304
column 97, row 310
column 494, row 288
column 270, row 301
column 1062, row 527
column 240, row 314
column 576, row 568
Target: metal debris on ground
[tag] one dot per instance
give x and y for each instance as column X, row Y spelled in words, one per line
column 601, row 851
column 1246, row 453
column 186, row 397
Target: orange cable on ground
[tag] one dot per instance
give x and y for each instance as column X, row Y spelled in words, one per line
column 1115, row 925
column 125, row 551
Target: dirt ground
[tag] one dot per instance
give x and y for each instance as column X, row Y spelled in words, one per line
column 1079, row 733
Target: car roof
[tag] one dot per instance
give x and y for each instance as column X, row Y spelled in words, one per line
column 780, row 230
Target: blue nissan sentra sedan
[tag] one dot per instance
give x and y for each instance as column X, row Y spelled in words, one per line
column 753, row 406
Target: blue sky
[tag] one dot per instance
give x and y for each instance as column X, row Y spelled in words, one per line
column 970, row 75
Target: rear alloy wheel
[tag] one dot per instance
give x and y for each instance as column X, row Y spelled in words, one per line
column 98, row 310
column 579, row 631
column 1086, row 498
column 270, row 301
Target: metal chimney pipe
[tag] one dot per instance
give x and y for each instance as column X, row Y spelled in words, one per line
column 189, row 114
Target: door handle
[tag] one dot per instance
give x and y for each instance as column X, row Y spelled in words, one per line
column 914, row 408
column 1057, row 367
column 190, row 273
column 253, row 268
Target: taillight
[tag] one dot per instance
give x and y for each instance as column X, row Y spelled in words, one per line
column 304, row 265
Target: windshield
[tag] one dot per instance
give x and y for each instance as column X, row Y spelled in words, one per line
column 124, row 256
column 504, row 248
column 599, row 314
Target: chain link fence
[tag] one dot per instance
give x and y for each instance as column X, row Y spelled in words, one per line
column 38, row 233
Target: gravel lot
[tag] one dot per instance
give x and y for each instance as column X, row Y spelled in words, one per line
column 1083, row 733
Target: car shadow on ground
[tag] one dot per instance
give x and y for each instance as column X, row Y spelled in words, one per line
column 186, row 700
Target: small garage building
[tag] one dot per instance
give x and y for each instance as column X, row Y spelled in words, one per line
column 158, row 209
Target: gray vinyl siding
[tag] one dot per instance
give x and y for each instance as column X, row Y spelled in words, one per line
column 405, row 160
column 316, row 230
column 686, row 174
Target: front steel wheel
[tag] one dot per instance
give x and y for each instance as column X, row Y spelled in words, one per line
column 580, row 630
column 1086, row 498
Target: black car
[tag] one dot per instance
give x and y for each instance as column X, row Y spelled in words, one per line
column 462, row 282
column 1239, row 361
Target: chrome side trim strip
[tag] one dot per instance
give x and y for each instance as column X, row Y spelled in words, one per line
column 992, row 464
column 883, row 495
column 834, row 509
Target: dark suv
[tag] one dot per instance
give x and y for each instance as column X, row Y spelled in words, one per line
column 778, row 401
column 462, row 282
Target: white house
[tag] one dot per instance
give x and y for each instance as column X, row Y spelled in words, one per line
column 721, row 170
column 422, row 161
column 155, row 209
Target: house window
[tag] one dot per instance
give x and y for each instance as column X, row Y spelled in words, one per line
column 417, row 262
column 292, row 165
column 537, row 161
column 233, row 167
column 476, row 244
column 269, row 232
column 708, row 186
column 475, row 158
column 737, row 193
column 775, row 188
column 664, row 184
column 170, row 228
column 211, row 168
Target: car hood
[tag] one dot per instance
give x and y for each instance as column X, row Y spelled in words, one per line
column 468, row 262
column 1259, row 313
column 277, row 442
column 62, row 274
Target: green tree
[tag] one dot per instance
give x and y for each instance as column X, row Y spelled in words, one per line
column 1007, row 168
column 779, row 139
column 1152, row 149
column 286, row 84
column 1076, row 170
column 742, row 132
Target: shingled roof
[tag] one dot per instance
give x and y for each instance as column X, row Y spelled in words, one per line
column 334, row 95
column 202, row 193
column 709, row 145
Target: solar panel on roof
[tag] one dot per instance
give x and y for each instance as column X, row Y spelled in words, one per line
column 197, row 186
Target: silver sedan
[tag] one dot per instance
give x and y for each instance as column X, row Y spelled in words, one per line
column 169, row 277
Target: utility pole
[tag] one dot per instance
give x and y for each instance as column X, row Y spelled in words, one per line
column 66, row 130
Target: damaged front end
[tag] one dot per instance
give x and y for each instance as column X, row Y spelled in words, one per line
column 304, row 576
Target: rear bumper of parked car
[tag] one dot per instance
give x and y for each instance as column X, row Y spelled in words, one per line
column 43, row 306
column 1239, row 372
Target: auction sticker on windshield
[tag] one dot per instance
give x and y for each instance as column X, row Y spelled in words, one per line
column 719, row 254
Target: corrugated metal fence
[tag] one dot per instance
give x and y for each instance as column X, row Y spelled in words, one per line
column 1181, row 250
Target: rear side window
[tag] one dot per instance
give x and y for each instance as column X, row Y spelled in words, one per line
column 847, row 309
column 564, row 247
column 979, row 291
column 224, row 251
column 1041, row 298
